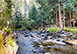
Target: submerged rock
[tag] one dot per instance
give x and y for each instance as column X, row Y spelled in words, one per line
column 37, row 42
column 71, row 42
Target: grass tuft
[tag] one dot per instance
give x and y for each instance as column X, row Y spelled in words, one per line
column 8, row 41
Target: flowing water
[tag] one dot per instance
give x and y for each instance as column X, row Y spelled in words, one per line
column 32, row 43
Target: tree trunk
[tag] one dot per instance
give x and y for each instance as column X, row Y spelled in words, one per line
column 64, row 14
column 56, row 20
column 60, row 18
column 73, row 20
column 70, row 18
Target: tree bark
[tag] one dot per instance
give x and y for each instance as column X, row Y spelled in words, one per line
column 56, row 20
column 64, row 14
column 73, row 20
column 70, row 18
column 60, row 17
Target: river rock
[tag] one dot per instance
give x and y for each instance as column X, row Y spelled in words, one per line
column 37, row 42
column 44, row 33
column 71, row 42
column 27, row 35
column 53, row 41
column 63, row 35
column 34, row 34
column 49, row 37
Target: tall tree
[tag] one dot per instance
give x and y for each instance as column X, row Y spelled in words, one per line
column 60, row 17
column 70, row 18
column 73, row 19
column 64, row 14
column 56, row 19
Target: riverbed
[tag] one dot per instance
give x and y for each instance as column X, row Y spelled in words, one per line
column 42, row 42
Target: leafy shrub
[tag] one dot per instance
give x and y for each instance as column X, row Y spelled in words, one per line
column 53, row 29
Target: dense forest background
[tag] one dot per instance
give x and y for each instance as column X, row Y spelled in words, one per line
column 28, row 14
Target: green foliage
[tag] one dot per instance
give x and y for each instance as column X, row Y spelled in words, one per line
column 9, row 7
column 23, row 23
column 71, row 30
column 41, row 12
column 11, row 42
column 8, row 31
column 52, row 29
column 5, row 13
column 33, row 13
column 26, row 23
column 42, row 15
column 2, row 15
column 18, row 19
column 18, row 29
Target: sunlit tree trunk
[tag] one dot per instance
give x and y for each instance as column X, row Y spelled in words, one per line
column 73, row 20
column 60, row 17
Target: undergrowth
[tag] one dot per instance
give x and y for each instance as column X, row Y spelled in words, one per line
column 67, row 29
column 71, row 30
column 52, row 29
column 4, row 43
